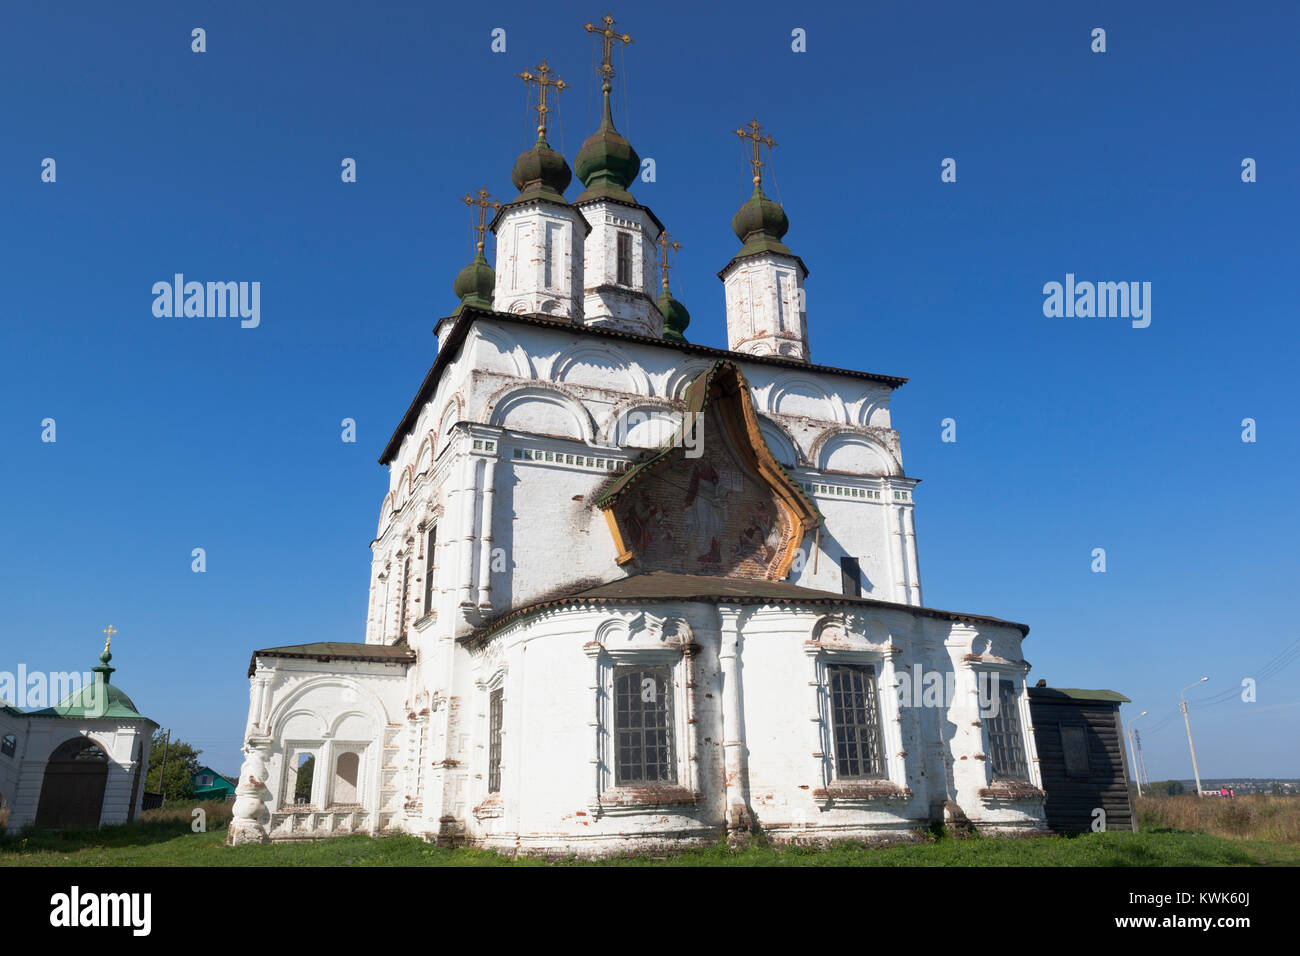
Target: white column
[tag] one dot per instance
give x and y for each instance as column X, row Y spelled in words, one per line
column 485, row 534
column 592, row 650
column 386, row 590
column 257, row 710
column 251, row 813
column 468, row 492
column 909, row 533
column 733, row 739
column 691, row 735
column 897, row 550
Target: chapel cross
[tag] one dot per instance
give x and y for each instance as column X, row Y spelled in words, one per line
column 110, row 631
column 666, row 242
column 542, row 80
column 756, row 140
column 484, row 202
column 607, row 38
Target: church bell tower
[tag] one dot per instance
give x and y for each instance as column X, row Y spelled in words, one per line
column 764, row 280
column 540, row 237
column 620, row 254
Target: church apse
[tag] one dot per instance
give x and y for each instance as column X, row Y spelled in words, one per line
column 713, row 500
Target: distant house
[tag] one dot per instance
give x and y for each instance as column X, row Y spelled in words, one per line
column 210, row 785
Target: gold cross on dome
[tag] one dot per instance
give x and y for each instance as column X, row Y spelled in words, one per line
column 607, row 36
column 484, row 202
column 109, row 631
column 757, row 141
column 542, row 80
column 666, row 242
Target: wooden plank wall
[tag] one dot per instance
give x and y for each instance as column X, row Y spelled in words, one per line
column 1071, row 799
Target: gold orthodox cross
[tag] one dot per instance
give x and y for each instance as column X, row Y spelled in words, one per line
column 757, row 141
column 110, row 631
column 542, row 80
column 607, row 38
column 666, row 242
column 484, row 202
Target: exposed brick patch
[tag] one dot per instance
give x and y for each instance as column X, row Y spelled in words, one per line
column 863, row 790
column 1011, row 790
column 649, row 796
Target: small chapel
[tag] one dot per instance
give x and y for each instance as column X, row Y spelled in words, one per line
column 79, row 763
column 628, row 591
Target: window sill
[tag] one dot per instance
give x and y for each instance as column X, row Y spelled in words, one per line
column 1018, row 791
column 490, row 807
column 633, row 799
column 861, row 792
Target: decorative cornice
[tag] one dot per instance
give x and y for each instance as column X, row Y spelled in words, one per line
column 468, row 316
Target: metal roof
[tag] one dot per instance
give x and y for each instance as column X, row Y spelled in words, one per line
column 336, row 651
column 1078, row 693
column 667, row 586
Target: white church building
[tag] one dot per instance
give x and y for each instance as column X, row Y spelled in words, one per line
column 628, row 591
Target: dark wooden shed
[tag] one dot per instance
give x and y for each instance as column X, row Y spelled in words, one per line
column 1081, row 756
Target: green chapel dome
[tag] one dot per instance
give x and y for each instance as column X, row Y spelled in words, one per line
column 676, row 317
column 607, row 164
column 100, row 698
column 475, row 284
column 541, row 173
column 760, row 224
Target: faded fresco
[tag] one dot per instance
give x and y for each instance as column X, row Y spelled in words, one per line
column 704, row 515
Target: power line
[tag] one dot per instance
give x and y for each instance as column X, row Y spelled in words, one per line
column 1271, row 668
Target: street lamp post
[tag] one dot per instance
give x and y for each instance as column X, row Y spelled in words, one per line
column 1187, row 722
column 1132, row 753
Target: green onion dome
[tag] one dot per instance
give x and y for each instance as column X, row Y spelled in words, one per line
column 475, row 283
column 760, row 223
column 541, row 173
column 676, row 318
column 607, row 164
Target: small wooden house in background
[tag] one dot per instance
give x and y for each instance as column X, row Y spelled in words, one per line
column 1081, row 756
column 210, row 785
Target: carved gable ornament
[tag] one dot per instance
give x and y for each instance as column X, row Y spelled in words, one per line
column 713, row 500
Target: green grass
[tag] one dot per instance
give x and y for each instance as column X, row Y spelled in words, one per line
column 172, row 844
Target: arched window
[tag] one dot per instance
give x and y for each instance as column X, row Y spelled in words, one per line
column 496, row 704
column 406, row 592
column 430, row 567
column 301, row 778
column 624, row 276
column 79, row 749
column 345, row 778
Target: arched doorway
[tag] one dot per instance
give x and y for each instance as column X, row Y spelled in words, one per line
column 72, row 794
column 345, row 778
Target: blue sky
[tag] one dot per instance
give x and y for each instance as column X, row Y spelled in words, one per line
column 1073, row 434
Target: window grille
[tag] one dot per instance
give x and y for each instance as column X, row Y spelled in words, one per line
column 624, row 259
column 855, row 721
column 495, row 710
column 406, row 591
column 430, row 567
column 1006, row 742
column 643, row 726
